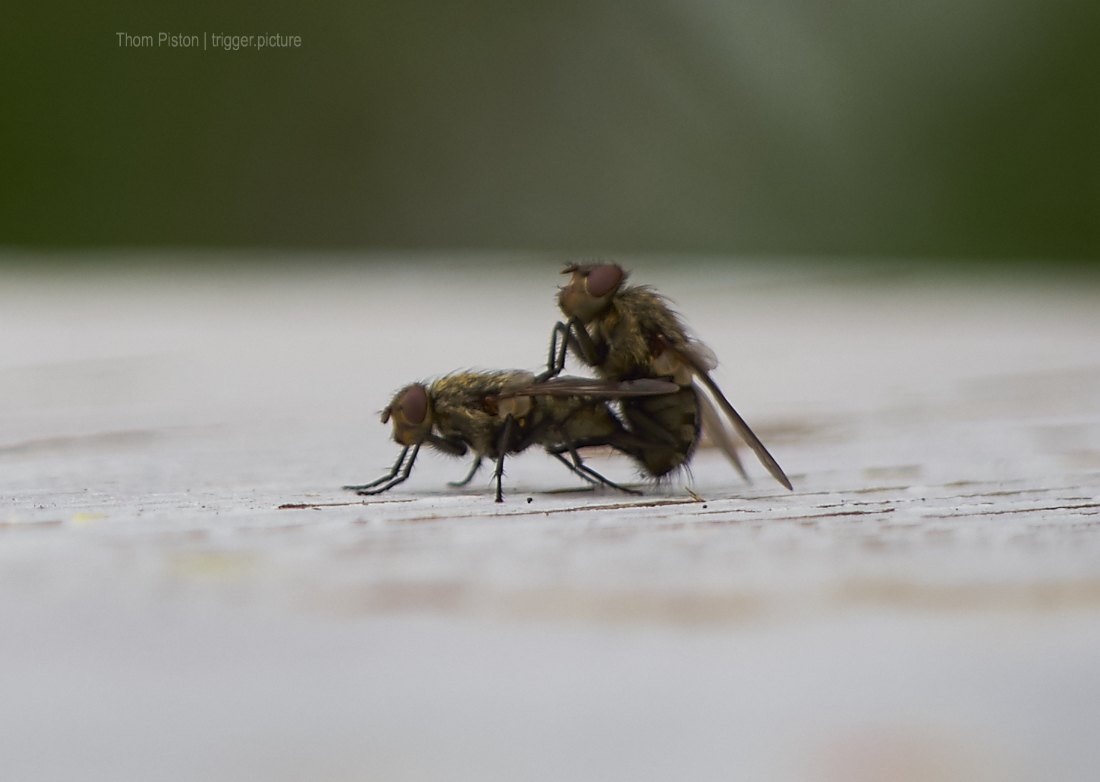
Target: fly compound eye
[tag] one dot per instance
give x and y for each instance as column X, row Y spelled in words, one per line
column 604, row 279
column 414, row 404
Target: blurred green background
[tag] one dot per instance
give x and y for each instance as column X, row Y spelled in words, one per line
column 935, row 128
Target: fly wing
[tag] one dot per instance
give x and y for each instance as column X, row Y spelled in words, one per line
column 698, row 361
column 713, row 426
column 603, row 389
column 745, row 433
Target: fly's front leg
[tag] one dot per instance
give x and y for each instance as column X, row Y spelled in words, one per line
column 502, row 446
column 555, row 363
column 388, row 477
column 578, row 338
column 393, row 481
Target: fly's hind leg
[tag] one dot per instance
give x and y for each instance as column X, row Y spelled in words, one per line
column 586, row 469
column 573, row 469
column 469, row 476
column 580, row 468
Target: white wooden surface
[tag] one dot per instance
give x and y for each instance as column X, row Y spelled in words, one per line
column 925, row 605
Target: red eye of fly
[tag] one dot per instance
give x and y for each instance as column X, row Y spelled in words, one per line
column 414, row 405
column 602, row 280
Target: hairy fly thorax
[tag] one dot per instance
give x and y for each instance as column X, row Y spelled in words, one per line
column 466, row 406
column 638, row 329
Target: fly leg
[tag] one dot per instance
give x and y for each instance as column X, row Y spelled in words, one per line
column 502, row 446
column 555, row 363
column 384, row 478
column 574, row 336
column 469, row 476
column 584, row 468
column 578, row 338
column 573, row 469
column 390, row 480
column 578, row 466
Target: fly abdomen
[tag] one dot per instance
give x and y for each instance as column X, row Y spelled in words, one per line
column 665, row 429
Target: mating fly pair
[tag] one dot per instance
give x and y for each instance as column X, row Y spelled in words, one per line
column 647, row 366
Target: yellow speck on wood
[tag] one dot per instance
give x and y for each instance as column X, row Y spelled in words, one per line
column 212, row 565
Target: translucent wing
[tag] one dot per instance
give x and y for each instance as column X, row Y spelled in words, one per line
column 603, row 389
column 713, row 426
column 698, row 363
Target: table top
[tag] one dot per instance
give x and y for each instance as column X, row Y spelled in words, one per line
column 187, row 591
